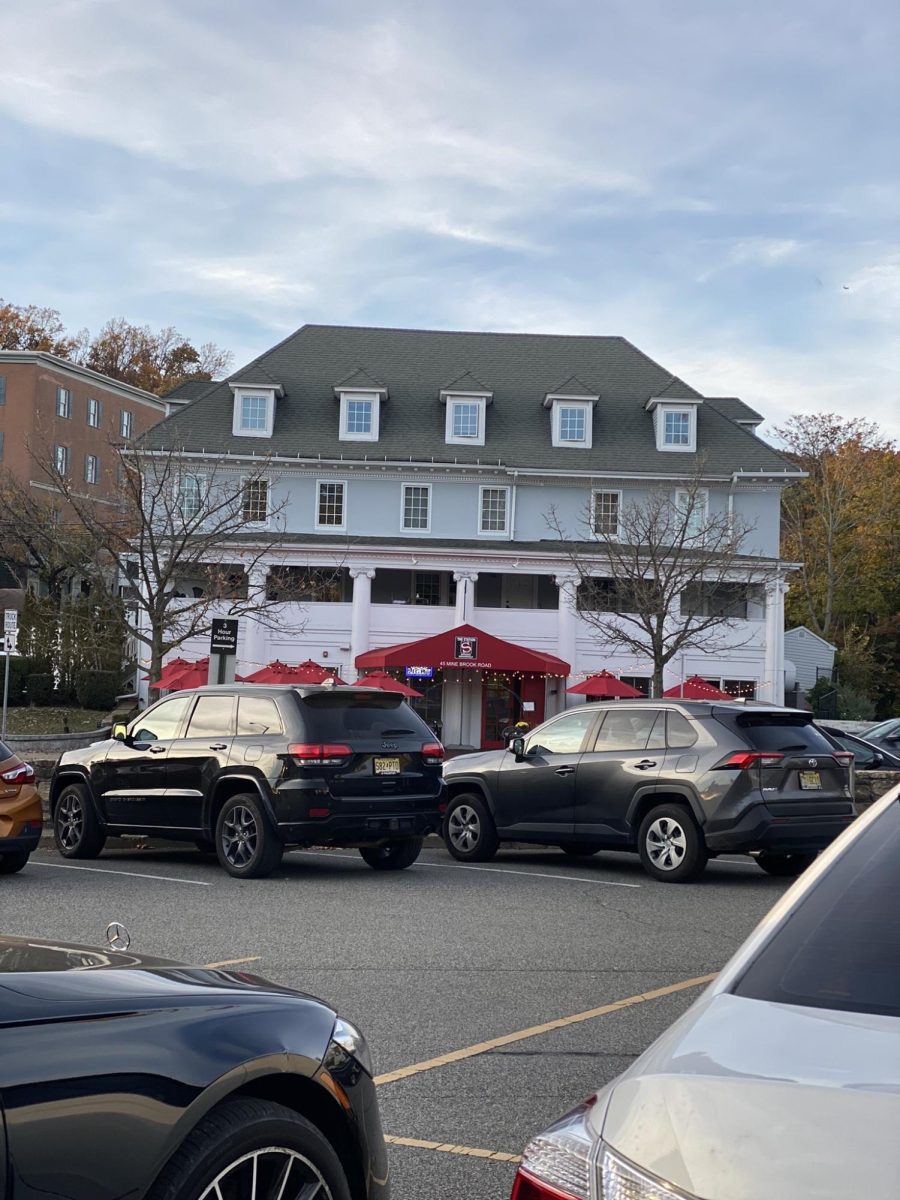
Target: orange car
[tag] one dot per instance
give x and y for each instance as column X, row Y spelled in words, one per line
column 21, row 816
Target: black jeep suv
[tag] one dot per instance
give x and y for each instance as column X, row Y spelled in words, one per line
column 246, row 771
column 677, row 781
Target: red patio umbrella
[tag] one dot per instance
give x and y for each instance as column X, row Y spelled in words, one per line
column 696, row 688
column 606, row 686
column 279, row 672
column 173, row 667
column 387, row 683
column 193, row 675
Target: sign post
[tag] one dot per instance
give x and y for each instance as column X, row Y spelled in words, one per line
column 223, row 641
column 10, row 631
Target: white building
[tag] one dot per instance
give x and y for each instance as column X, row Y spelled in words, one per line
column 417, row 470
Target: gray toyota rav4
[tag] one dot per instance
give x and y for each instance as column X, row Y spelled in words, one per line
column 677, row 781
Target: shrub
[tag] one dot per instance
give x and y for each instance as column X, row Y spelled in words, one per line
column 97, row 689
column 20, row 667
column 40, row 689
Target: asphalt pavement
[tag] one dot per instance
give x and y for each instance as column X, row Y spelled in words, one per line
column 438, row 962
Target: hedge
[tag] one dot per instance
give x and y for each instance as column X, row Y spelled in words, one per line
column 97, row 689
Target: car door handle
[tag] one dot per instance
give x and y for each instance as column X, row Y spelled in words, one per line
column 565, row 770
column 157, row 749
column 219, row 746
column 645, row 764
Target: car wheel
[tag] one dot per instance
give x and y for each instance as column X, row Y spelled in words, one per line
column 581, row 850
column 246, row 845
column 248, row 1147
column 76, row 830
column 393, row 856
column 788, row 866
column 12, row 861
column 671, row 845
column 469, row 830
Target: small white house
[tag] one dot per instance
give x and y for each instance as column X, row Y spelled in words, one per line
column 810, row 655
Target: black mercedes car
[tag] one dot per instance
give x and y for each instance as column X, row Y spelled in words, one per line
column 133, row 1077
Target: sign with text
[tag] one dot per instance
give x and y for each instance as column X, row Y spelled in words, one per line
column 466, row 648
column 224, row 636
column 10, row 620
column 419, row 672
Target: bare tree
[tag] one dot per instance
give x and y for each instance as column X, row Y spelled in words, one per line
column 665, row 575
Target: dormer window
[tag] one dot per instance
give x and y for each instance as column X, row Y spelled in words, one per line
column 675, row 424
column 571, row 415
column 254, row 409
column 465, row 420
column 359, row 416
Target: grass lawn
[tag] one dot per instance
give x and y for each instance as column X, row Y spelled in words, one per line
column 50, row 720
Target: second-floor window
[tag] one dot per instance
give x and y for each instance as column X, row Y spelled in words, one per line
column 125, row 424
column 254, row 413
column 465, row 420
column 93, row 412
column 572, row 423
column 416, row 506
column 606, row 514
column 190, row 496
column 494, row 514
column 91, row 468
column 61, row 459
column 676, row 428
column 359, row 416
column 330, row 507
column 255, row 503
column 63, row 402
column 693, row 512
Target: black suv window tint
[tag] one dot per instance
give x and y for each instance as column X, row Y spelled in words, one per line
column 767, row 731
column 626, row 729
column 680, row 733
column 337, row 716
column 258, row 716
column 561, row 737
column 213, row 716
column 161, row 722
column 840, row 948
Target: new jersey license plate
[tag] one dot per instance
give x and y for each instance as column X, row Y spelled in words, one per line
column 387, row 766
column 810, row 781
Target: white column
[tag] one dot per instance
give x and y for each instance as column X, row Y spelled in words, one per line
column 361, row 612
column 465, row 596
column 566, row 626
column 256, row 635
column 773, row 685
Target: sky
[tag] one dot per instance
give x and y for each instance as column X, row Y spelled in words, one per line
column 716, row 180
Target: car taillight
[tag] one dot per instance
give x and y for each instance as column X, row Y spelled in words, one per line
column 844, row 757
column 433, row 752
column 526, row 1187
column 24, row 773
column 556, row 1164
column 318, row 754
column 743, row 760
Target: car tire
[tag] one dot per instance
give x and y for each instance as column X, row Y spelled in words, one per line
column 671, row 845
column 218, row 1155
column 12, row 861
column 469, row 830
column 786, row 866
column 579, row 850
column 246, row 844
column 76, row 830
column 393, row 856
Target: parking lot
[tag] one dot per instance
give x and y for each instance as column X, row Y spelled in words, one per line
column 494, row 996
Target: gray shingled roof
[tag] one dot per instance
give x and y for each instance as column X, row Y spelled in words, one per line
column 734, row 409
column 359, row 379
column 188, row 390
column 465, row 383
column 415, row 366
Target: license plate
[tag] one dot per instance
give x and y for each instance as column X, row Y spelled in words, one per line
column 810, row 781
column 387, row 766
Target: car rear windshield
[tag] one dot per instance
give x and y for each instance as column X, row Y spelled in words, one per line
column 840, row 948
column 766, row 731
column 337, row 716
column 5, row 752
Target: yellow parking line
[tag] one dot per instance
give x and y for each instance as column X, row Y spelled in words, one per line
column 507, row 1039
column 231, row 962
column 451, row 1148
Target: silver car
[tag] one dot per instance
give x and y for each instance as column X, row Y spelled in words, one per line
column 782, row 1082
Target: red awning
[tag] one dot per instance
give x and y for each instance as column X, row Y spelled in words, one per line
column 605, row 686
column 465, row 648
column 696, row 688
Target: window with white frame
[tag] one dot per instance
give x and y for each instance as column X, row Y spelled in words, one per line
column 61, row 459
column 255, row 501
column 465, row 420
column 125, row 424
column 676, row 426
column 359, row 416
column 416, row 506
column 607, row 508
column 190, row 496
column 572, row 423
column 330, row 506
column 93, row 412
column 693, row 511
column 63, row 402
column 254, row 411
column 91, row 468
column 494, row 510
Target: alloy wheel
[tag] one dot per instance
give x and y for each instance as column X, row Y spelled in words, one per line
column 239, row 840
column 272, row 1173
column 70, row 821
column 666, row 844
column 464, row 828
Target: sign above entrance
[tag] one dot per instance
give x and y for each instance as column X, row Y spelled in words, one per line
column 466, row 648
column 419, row 672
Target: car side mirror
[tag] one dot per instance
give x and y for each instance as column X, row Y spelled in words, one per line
column 877, row 760
column 517, row 746
column 120, row 733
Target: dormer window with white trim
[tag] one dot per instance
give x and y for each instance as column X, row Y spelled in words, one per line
column 254, row 409
column 360, row 413
column 572, row 422
column 675, row 424
column 465, row 420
